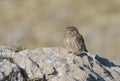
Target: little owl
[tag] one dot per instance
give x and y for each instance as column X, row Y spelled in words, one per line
column 73, row 41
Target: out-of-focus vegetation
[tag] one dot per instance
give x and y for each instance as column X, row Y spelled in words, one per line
column 41, row 23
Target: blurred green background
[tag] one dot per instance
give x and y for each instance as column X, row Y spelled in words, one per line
column 41, row 23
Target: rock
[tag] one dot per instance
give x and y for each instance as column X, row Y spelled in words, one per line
column 17, row 74
column 54, row 64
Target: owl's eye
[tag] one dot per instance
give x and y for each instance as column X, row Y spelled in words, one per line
column 75, row 31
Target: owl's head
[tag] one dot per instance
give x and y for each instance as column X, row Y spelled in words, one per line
column 72, row 29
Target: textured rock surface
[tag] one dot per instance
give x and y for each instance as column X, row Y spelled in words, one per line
column 54, row 64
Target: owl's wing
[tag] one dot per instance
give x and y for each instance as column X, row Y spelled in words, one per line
column 80, row 42
column 85, row 49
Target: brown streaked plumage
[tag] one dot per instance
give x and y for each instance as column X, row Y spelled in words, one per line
column 73, row 40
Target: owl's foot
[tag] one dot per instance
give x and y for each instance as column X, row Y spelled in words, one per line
column 69, row 52
column 77, row 53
